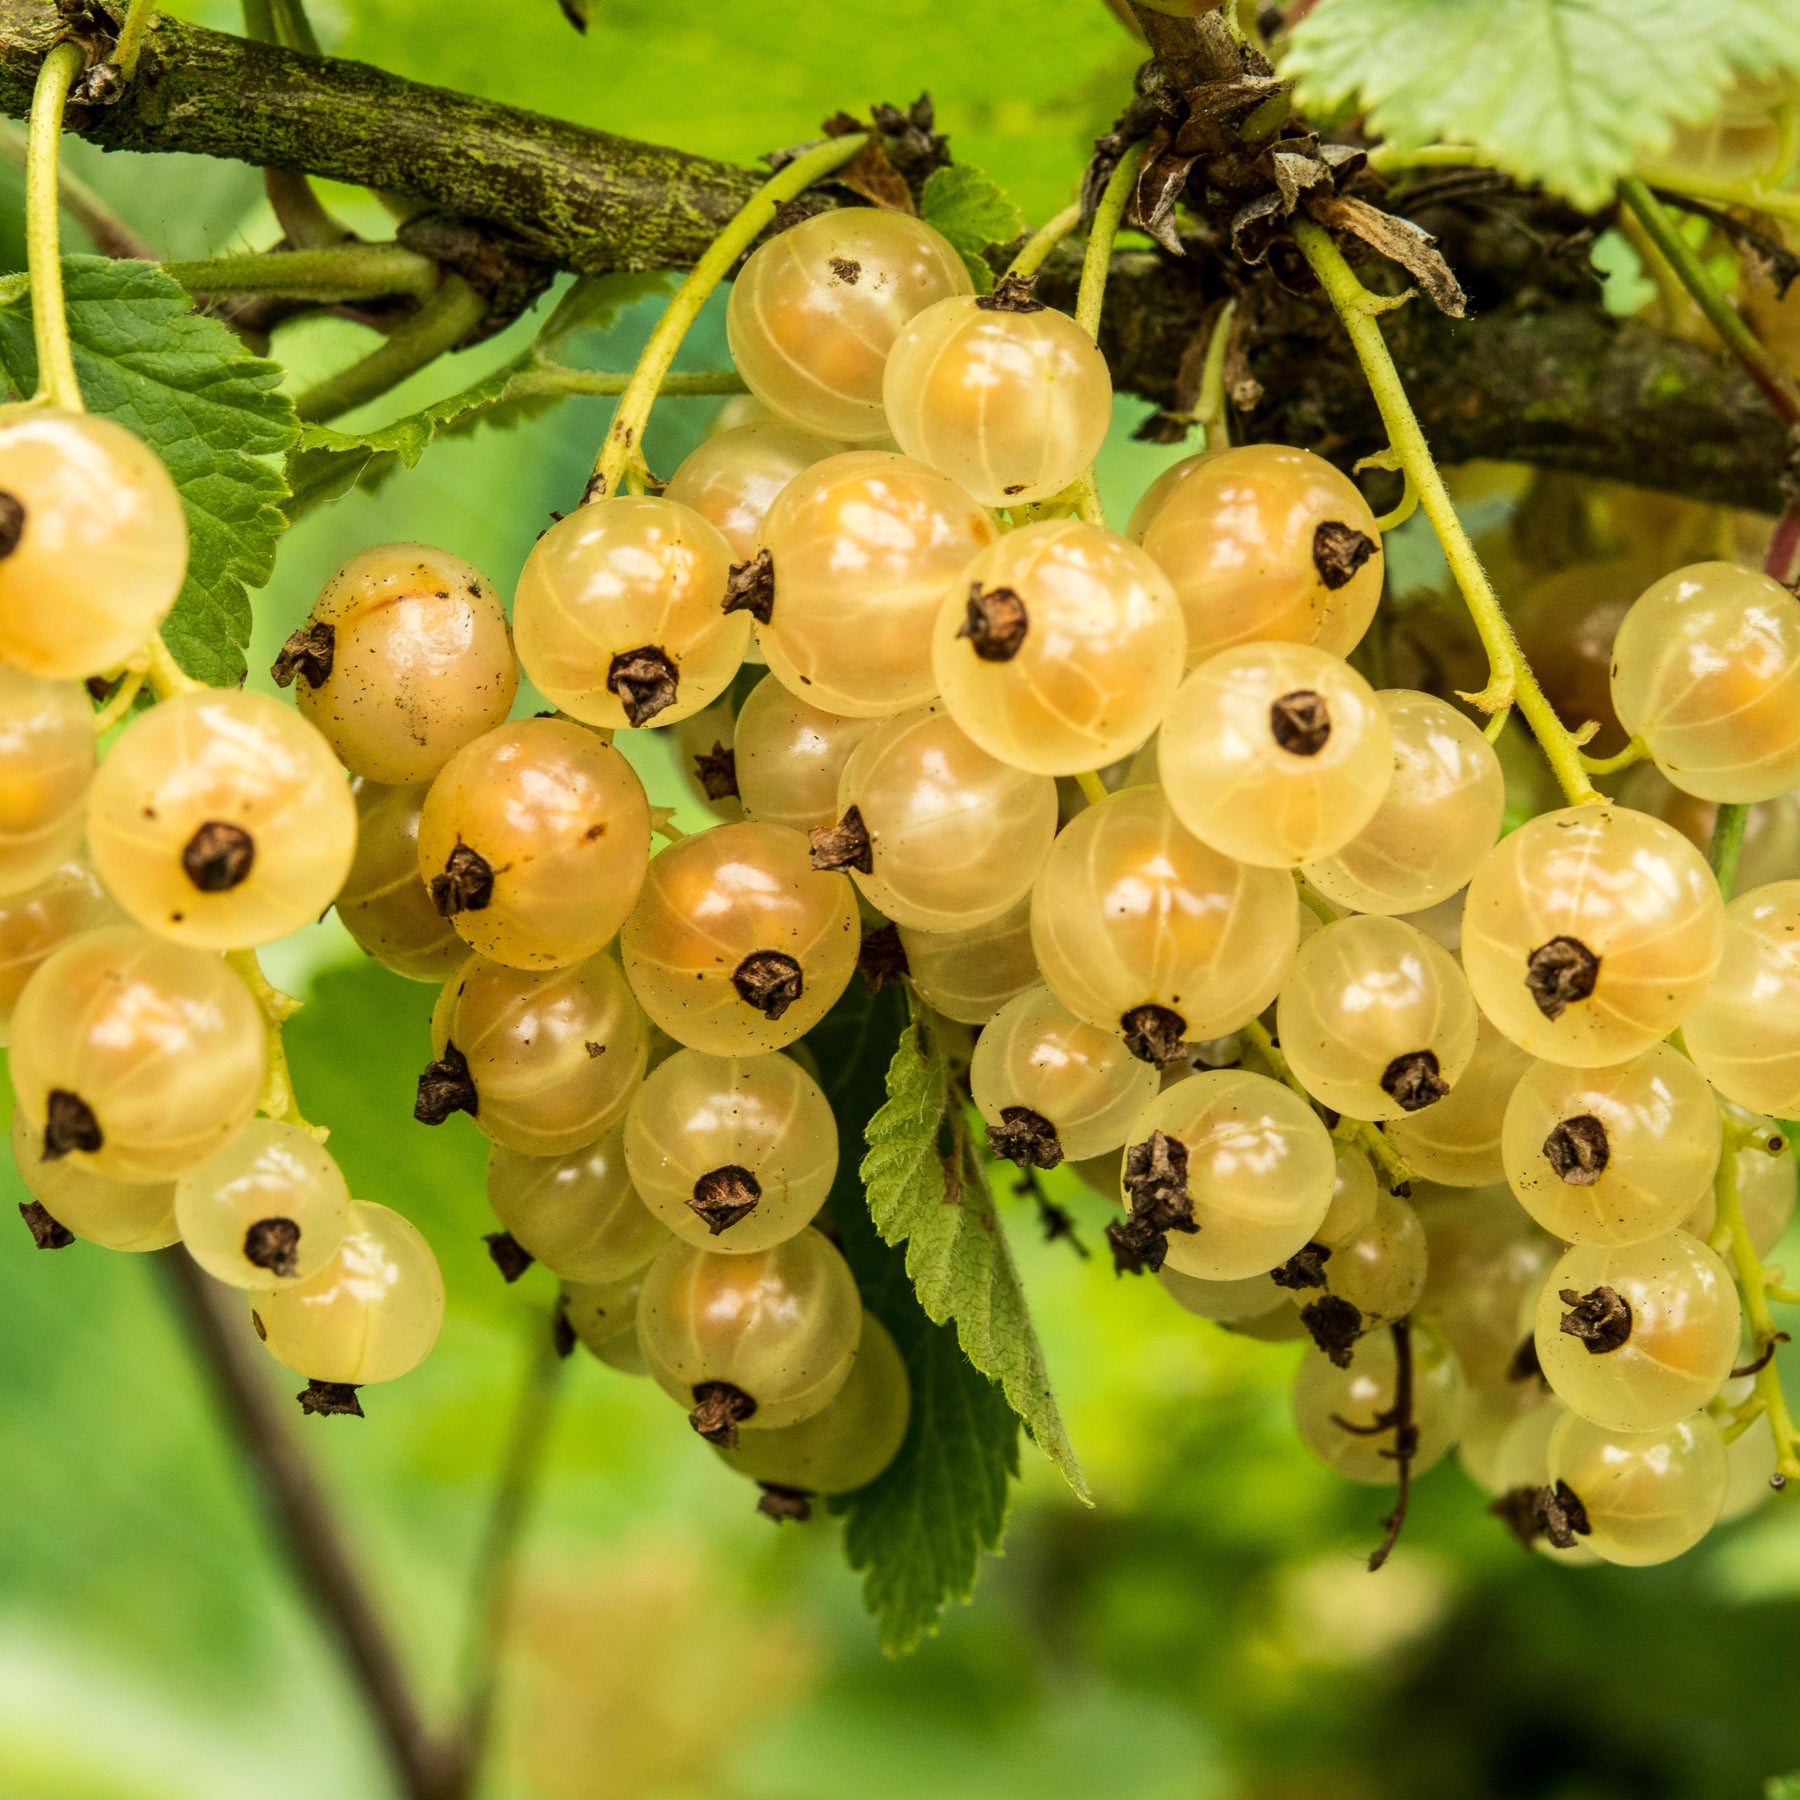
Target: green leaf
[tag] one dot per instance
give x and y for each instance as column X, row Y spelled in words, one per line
column 972, row 212
column 917, row 1532
column 207, row 407
column 1566, row 92
column 956, row 1250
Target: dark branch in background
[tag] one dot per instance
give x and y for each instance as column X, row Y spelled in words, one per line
column 1538, row 373
column 307, row 1534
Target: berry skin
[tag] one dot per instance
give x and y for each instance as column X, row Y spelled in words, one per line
column 371, row 1314
column 1591, row 933
column 1073, row 1078
column 790, row 757
column 953, row 837
column 847, row 1444
column 1380, row 1272
column 863, row 548
column 96, row 543
column 1612, row 1156
column 733, row 1154
column 1376, row 1020
column 732, row 479
column 420, row 662
column 1059, row 648
column 384, row 903
column 222, row 819
column 1745, row 1034
column 1011, row 404
column 34, row 923
column 577, row 1213
column 1354, row 1199
column 269, row 1209
column 738, row 943
column 603, row 1315
column 46, row 764
column 1440, row 816
column 1336, row 1408
column 116, row 1215
column 1457, row 1141
column 534, row 841
column 1706, row 670
column 552, row 1056
column 1259, row 1173
column 969, row 975
column 1647, row 1496
column 1652, row 1336
column 134, row 1057
column 1264, row 543
column 1275, row 754
column 815, row 311
column 1131, row 911
column 777, row 1329
column 1224, row 1302
column 619, row 615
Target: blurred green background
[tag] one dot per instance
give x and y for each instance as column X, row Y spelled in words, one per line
column 1206, row 1631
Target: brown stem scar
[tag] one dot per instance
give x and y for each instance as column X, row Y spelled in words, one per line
column 719, row 1409
column 723, row 1196
column 1300, row 722
column 645, row 681
column 1577, row 1149
column 218, row 856
column 844, row 845
column 1600, row 1318
column 309, row 653
column 995, row 622
column 1026, row 1138
column 1559, row 973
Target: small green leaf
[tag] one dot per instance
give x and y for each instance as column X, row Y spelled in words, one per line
column 917, row 1532
column 212, row 411
column 956, row 1250
column 972, row 212
column 1567, row 92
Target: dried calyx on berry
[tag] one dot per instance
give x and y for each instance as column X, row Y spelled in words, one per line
column 1025, row 1137
column 1414, row 1081
column 69, row 1124
column 274, row 1244
column 507, row 1254
column 218, row 857
column 46, row 1232
column 1577, row 1149
column 1339, row 551
column 769, row 980
column 1156, row 1195
column 645, row 681
column 446, row 1087
column 724, row 1195
column 465, row 885
column 330, row 1397
column 1559, row 973
column 1300, row 722
column 1600, row 1318
column 844, row 845
column 882, row 957
column 309, row 653
column 719, row 1409
column 1334, row 1324
column 750, row 587
column 1304, row 1269
column 996, row 622
column 716, row 770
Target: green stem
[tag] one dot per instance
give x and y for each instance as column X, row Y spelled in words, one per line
column 278, row 1097
column 1042, row 241
column 554, row 378
column 1097, row 262
column 1728, row 845
column 1720, row 314
column 329, row 276
column 302, row 215
column 293, row 27
column 1510, row 680
column 1753, row 195
column 140, row 15
column 623, row 447
column 438, row 326
column 1634, row 752
column 259, row 21
column 43, row 249
column 1210, row 409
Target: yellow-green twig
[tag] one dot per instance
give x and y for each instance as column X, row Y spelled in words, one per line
column 278, row 1099
column 57, row 384
column 623, row 448
column 1098, row 261
column 140, row 15
column 1042, row 241
column 166, row 676
column 1510, row 680
column 1634, row 752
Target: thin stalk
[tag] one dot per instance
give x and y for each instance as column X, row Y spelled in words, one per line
column 554, row 378
column 1038, row 246
column 623, row 447
column 293, row 26
column 166, row 676
column 278, row 1098
column 140, row 15
column 1510, row 680
column 329, row 276
column 43, row 249
column 1728, row 844
column 1634, row 752
column 1211, row 410
column 1095, row 264
column 438, row 326
column 303, row 217
column 1093, row 789
column 1755, row 196
column 259, row 21
column 119, row 702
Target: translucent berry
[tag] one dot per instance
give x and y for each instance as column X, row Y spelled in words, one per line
column 534, row 841
column 1745, row 1034
column 117, row 1215
column 1457, row 1140
column 1141, row 928
column 1224, row 1302
column 790, row 756
column 1344, row 1413
column 371, row 1314
column 938, row 834
column 1439, row 818
column 969, row 975
column 732, row 1153
column 1591, row 933
column 404, row 658
column 1638, row 1337
column 1050, row 1085
column 46, row 764
column 732, row 479
column 1616, row 1155
column 35, row 922
column 738, row 943
column 93, row 542
column 384, row 903
column 1058, row 648
column 1275, row 754
column 1706, row 670
column 1765, row 1182
column 1008, row 397
column 1372, row 1279
column 603, row 1315
column 862, row 549
column 619, row 615
column 1645, row 1496
column 1355, row 1196
column 758, row 1341
column 271, row 1207
column 815, row 311
column 577, row 1213
column 543, row 1060
column 134, row 1057
column 1264, row 543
